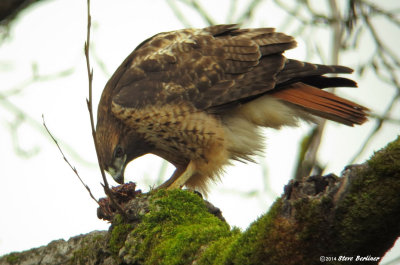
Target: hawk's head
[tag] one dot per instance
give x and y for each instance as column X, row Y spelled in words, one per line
column 117, row 147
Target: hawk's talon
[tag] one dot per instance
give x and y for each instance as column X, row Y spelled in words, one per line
column 180, row 180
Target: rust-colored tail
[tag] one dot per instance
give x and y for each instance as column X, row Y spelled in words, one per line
column 323, row 104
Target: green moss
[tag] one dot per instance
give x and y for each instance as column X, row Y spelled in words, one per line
column 371, row 204
column 311, row 217
column 119, row 232
column 180, row 230
column 12, row 258
column 276, row 239
column 174, row 230
column 219, row 251
column 387, row 163
column 89, row 251
column 267, row 241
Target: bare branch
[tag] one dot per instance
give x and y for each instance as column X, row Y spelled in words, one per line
column 379, row 43
column 307, row 161
column 90, row 108
column 385, row 118
column 391, row 15
column 36, row 78
column 18, row 149
column 69, row 164
column 384, row 62
column 376, row 129
column 36, row 125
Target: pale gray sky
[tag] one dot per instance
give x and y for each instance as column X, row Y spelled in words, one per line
column 42, row 198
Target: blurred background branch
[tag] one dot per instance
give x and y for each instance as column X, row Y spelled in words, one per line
column 22, row 117
column 328, row 31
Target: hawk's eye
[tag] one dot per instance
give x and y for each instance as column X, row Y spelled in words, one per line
column 118, row 152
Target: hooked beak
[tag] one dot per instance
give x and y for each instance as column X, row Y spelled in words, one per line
column 117, row 172
column 119, row 177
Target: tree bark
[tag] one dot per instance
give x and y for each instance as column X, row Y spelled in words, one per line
column 355, row 217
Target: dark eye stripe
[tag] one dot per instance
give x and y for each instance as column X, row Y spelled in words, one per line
column 118, row 152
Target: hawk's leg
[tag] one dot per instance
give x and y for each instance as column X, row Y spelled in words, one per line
column 179, row 178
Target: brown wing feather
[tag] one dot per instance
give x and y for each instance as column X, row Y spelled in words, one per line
column 296, row 69
column 210, row 67
column 218, row 66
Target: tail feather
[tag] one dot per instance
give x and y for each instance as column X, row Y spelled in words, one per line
column 322, row 103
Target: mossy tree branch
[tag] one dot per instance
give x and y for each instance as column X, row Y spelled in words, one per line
column 357, row 214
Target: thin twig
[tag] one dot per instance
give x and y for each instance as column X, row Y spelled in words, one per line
column 18, row 148
column 69, row 164
column 379, row 43
column 391, row 15
column 89, row 100
column 18, row 112
column 34, row 79
column 390, row 64
column 337, row 31
column 376, row 129
column 89, row 106
column 385, row 118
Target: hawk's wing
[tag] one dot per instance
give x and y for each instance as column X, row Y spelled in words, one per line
column 206, row 67
column 213, row 67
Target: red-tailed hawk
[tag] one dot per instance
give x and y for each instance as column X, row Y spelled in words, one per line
column 197, row 98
